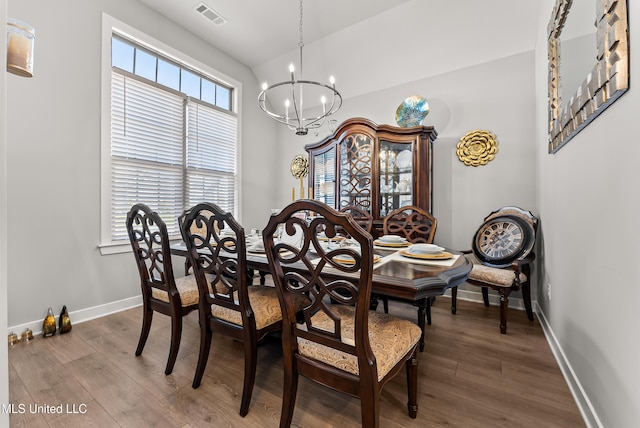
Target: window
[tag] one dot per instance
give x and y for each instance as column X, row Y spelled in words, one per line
column 172, row 139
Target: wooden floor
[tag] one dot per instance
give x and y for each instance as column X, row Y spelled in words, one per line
column 470, row 376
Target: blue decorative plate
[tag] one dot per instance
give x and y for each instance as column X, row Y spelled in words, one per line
column 412, row 111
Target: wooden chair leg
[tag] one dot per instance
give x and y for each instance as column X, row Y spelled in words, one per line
column 485, row 296
column 385, row 304
column 504, row 306
column 176, row 334
column 250, row 363
column 412, row 386
column 526, row 296
column 203, row 356
column 147, row 317
column 454, row 298
column 369, row 405
column 428, row 308
column 422, row 311
column 288, row 395
column 373, row 303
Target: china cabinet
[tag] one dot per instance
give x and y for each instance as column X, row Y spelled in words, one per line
column 377, row 168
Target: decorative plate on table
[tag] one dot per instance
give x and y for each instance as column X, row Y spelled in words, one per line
column 412, row 111
column 380, row 243
column 425, row 256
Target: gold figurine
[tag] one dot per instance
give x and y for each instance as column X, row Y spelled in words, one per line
column 49, row 324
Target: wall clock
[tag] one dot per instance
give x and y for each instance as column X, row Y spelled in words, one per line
column 501, row 240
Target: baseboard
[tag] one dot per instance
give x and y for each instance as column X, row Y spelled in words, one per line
column 582, row 400
column 494, row 298
column 82, row 315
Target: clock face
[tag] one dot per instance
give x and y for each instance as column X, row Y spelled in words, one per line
column 503, row 239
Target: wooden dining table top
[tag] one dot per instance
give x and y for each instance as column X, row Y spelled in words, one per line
column 393, row 276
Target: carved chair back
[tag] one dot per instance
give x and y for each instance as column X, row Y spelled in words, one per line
column 216, row 249
column 362, row 217
column 150, row 243
column 412, row 223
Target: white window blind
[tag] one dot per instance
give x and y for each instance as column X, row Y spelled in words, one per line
column 168, row 152
column 211, row 156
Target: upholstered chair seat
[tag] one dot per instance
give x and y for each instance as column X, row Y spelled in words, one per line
column 494, row 276
column 187, row 288
column 391, row 339
column 265, row 304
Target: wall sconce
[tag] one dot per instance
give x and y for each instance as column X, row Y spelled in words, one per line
column 20, row 38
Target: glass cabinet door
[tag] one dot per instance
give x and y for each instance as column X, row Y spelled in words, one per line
column 355, row 171
column 396, row 176
column 324, row 177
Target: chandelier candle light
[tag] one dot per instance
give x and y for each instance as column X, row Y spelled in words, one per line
column 293, row 114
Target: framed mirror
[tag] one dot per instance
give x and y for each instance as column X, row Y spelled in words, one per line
column 575, row 100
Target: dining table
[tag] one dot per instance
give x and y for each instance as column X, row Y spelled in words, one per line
column 394, row 275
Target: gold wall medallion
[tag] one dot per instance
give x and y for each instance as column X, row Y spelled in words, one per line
column 299, row 169
column 477, row 147
column 299, row 166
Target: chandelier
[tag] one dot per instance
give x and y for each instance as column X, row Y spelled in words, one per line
column 295, row 91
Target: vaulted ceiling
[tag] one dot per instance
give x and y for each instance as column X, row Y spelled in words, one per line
column 366, row 44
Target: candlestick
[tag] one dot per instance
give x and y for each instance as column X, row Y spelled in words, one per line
column 293, row 194
column 310, row 192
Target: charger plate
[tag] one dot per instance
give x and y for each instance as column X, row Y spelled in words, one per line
column 380, row 243
column 335, row 238
column 424, row 256
column 346, row 260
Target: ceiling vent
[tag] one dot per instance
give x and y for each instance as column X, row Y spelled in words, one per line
column 210, row 14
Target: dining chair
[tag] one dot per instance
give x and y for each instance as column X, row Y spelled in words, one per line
column 362, row 217
column 339, row 342
column 412, row 223
column 416, row 226
column 502, row 253
column 161, row 291
column 228, row 305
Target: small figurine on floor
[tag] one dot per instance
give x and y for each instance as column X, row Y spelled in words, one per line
column 65, row 321
column 49, row 324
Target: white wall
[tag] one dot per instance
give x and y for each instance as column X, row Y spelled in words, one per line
column 498, row 96
column 54, row 156
column 588, row 195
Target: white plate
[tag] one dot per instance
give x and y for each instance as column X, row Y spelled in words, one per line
column 403, row 160
column 392, row 239
column 425, row 249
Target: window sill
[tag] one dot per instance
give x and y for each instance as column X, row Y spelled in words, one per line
column 107, row 249
column 124, row 247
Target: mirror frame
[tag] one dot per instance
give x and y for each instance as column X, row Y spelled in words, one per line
column 606, row 82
